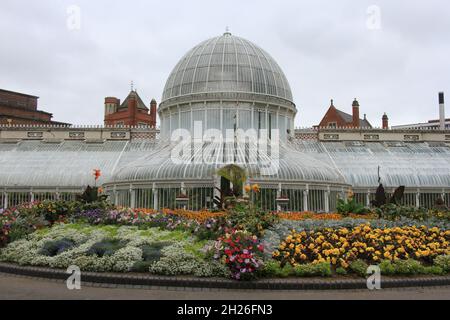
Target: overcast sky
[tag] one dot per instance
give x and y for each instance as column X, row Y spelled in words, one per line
column 395, row 60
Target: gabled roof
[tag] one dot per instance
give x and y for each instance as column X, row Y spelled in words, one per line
column 140, row 103
column 363, row 123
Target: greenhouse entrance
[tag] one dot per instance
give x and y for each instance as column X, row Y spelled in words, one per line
column 225, row 186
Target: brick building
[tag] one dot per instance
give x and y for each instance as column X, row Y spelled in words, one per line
column 132, row 112
column 20, row 108
column 335, row 118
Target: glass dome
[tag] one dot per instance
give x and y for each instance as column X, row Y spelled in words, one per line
column 227, row 64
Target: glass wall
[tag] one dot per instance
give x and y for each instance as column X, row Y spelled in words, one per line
column 200, row 198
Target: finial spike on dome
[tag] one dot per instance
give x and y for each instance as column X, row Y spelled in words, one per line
column 227, row 31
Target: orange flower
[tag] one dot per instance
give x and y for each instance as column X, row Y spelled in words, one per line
column 97, row 173
column 256, row 188
column 247, row 188
column 100, row 190
column 300, row 216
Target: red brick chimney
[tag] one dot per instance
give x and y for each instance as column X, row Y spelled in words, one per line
column 111, row 105
column 385, row 121
column 153, row 113
column 355, row 113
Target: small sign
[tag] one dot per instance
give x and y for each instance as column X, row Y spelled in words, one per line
column 35, row 134
column 119, row 135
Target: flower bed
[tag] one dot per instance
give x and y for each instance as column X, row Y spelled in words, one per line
column 342, row 246
column 274, row 235
column 199, row 216
column 243, row 242
column 241, row 252
column 113, row 248
column 301, row 216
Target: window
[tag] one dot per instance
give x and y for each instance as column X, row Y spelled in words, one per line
column 332, row 125
column 119, row 123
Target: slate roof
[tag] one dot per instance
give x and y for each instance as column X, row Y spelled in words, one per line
column 363, row 123
column 140, row 103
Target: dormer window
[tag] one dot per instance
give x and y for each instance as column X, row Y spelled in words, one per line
column 332, row 125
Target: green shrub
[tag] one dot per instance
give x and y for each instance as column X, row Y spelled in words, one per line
column 313, row 270
column 435, row 270
column 141, row 266
column 341, row 271
column 18, row 231
column 345, row 207
column 251, row 218
column 395, row 212
column 443, row 262
column 408, row 267
column 25, row 225
column 386, row 267
column 53, row 248
column 273, row 269
column 51, row 210
column 106, row 247
column 359, row 267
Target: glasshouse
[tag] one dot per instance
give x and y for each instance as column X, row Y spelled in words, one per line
column 223, row 87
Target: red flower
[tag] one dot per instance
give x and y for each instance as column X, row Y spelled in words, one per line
column 97, row 173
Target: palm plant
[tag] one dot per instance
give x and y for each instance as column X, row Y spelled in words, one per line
column 236, row 175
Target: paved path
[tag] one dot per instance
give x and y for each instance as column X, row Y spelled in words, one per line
column 15, row 287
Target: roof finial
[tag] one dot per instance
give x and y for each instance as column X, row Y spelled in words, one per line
column 332, row 102
column 132, row 85
column 227, row 31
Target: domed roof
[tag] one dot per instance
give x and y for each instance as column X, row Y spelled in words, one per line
column 227, row 64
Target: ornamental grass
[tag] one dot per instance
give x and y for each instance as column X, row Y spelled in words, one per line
column 341, row 247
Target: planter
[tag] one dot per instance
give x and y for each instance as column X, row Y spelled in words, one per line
column 282, row 203
column 181, row 202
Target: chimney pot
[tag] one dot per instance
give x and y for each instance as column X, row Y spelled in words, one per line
column 441, row 111
column 385, row 121
column 355, row 113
